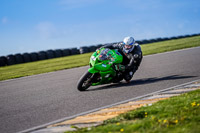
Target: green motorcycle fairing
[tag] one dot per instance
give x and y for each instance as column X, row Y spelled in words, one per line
column 101, row 62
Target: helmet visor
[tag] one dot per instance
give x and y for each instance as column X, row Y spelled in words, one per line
column 128, row 46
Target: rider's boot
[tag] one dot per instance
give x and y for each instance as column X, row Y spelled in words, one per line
column 128, row 75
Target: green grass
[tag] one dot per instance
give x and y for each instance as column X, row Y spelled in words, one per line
column 180, row 114
column 27, row 69
column 171, row 45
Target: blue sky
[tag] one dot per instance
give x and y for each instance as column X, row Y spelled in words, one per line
column 35, row 25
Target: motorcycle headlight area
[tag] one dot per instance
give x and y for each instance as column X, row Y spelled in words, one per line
column 93, row 58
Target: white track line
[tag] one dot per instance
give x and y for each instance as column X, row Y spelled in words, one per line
column 94, row 110
column 174, row 51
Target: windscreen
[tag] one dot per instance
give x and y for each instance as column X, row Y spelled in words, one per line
column 105, row 55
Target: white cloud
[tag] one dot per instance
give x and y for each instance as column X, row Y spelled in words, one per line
column 4, row 20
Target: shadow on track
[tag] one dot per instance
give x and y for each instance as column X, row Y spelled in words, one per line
column 141, row 82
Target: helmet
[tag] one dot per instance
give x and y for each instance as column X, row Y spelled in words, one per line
column 128, row 44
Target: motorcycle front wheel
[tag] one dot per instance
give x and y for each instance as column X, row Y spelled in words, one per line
column 85, row 81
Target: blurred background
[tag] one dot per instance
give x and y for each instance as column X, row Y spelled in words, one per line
column 35, row 25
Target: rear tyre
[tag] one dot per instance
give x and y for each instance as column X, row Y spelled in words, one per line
column 85, row 81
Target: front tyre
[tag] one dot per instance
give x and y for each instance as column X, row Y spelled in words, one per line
column 85, row 81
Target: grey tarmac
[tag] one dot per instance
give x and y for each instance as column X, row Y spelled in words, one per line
column 35, row 100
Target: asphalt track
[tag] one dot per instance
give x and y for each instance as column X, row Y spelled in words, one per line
column 35, row 100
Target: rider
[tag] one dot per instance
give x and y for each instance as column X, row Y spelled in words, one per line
column 132, row 56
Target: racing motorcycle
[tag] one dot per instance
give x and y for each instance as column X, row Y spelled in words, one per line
column 104, row 68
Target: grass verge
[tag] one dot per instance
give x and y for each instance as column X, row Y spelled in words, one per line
column 180, row 114
column 27, row 69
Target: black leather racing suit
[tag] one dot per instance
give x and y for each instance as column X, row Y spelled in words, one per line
column 131, row 61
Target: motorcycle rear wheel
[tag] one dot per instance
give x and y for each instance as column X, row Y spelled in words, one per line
column 85, row 81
